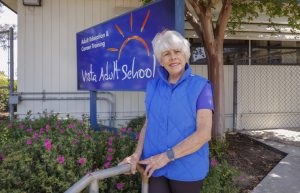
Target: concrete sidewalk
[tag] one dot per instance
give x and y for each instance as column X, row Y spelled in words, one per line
column 290, row 136
column 285, row 176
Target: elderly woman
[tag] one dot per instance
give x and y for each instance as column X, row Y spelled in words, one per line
column 173, row 143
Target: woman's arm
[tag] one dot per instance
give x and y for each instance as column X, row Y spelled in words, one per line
column 198, row 138
column 140, row 145
column 187, row 146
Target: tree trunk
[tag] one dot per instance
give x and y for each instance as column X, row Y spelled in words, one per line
column 212, row 36
column 216, row 76
column 214, row 50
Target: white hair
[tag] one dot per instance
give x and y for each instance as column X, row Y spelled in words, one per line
column 167, row 40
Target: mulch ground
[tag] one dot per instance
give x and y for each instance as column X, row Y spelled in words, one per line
column 253, row 159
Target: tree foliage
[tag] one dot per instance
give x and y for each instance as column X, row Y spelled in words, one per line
column 4, row 37
column 246, row 11
column 4, row 93
column 146, row 1
column 4, row 81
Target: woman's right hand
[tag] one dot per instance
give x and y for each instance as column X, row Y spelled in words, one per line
column 132, row 160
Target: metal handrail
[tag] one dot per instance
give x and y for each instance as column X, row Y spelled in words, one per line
column 93, row 178
column 4, row 87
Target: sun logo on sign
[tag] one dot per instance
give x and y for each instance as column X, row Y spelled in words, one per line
column 134, row 37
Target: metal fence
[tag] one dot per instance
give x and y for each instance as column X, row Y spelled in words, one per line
column 268, row 91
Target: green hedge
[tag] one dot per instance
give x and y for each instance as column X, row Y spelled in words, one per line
column 4, row 100
column 49, row 155
column 4, row 93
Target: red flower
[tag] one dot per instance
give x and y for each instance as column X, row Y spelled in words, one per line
column 129, row 130
column 29, row 142
column 110, row 143
column 87, row 136
column 36, row 136
column 123, row 129
column 42, row 131
column 47, row 128
column 75, row 141
column 120, row 186
column 109, row 157
column 82, row 161
column 61, row 159
column 79, row 132
column 29, row 130
column 71, row 126
column 48, row 144
column 107, row 164
column 213, row 162
column 2, row 157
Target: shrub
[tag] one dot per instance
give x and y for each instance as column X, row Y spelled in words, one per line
column 3, row 100
column 137, row 123
column 49, row 155
column 4, row 93
column 221, row 178
column 218, row 148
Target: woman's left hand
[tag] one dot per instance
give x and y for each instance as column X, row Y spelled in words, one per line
column 154, row 162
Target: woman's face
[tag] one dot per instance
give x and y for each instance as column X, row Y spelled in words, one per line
column 173, row 61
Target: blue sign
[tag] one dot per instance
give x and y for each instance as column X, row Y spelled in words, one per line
column 117, row 54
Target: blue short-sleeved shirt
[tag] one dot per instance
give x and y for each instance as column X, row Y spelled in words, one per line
column 205, row 99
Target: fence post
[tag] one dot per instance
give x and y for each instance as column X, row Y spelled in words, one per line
column 93, row 110
column 145, row 185
column 11, row 63
column 234, row 115
column 145, row 179
column 94, row 188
